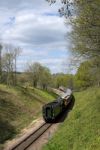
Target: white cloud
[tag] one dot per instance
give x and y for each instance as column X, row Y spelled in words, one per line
column 34, row 26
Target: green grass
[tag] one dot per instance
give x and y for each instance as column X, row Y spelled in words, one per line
column 19, row 106
column 81, row 129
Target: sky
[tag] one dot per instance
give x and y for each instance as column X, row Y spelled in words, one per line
column 38, row 29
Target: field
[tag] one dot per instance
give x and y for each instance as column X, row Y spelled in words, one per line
column 81, row 129
column 19, row 106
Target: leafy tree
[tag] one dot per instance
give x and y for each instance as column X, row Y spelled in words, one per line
column 39, row 75
column 86, row 28
column 83, row 75
column 33, row 71
column 87, row 75
column 23, row 79
column 85, row 37
column 45, row 79
column 85, row 23
column 65, row 80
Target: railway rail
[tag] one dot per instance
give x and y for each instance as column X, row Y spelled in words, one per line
column 30, row 139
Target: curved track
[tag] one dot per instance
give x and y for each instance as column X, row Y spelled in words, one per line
column 23, row 145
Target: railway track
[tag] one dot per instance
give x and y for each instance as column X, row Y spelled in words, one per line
column 30, row 139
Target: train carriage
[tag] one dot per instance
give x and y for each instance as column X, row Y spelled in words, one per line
column 52, row 110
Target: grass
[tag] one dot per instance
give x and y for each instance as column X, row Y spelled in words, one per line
column 19, row 106
column 81, row 129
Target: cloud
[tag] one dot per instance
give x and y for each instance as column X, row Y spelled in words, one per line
column 37, row 28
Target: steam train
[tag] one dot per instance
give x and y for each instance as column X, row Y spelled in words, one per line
column 53, row 109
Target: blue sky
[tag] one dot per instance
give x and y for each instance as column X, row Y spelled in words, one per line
column 37, row 28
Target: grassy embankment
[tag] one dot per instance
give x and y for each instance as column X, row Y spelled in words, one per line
column 81, row 129
column 18, row 107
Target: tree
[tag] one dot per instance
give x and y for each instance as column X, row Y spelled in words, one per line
column 16, row 53
column 86, row 29
column 62, row 79
column 83, row 75
column 0, row 61
column 34, row 71
column 39, row 75
column 66, row 8
column 85, row 36
column 85, row 23
column 22, row 79
column 45, row 79
column 87, row 75
column 8, row 68
column 9, row 63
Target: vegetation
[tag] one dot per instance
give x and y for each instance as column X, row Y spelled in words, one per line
column 85, row 35
column 35, row 74
column 80, row 130
column 19, row 106
column 39, row 76
column 84, row 17
column 87, row 75
column 86, row 28
column 61, row 79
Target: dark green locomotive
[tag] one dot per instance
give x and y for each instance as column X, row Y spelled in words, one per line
column 52, row 110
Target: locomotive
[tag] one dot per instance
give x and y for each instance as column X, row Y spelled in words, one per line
column 53, row 109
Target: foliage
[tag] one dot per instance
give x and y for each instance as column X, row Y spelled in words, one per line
column 39, row 75
column 45, row 78
column 65, row 80
column 86, row 28
column 87, row 74
column 34, row 73
column 85, row 23
column 85, row 35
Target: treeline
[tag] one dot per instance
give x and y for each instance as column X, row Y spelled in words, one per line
column 34, row 75
column 87, row 75
column 39, row 76
column 85, row 37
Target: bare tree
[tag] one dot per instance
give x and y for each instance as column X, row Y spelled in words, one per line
column 67, row 7
column 16, row 53
column 10, row 63
column 0, row 62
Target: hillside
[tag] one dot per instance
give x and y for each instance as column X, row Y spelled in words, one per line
column 18, row 107
column 81, row 129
